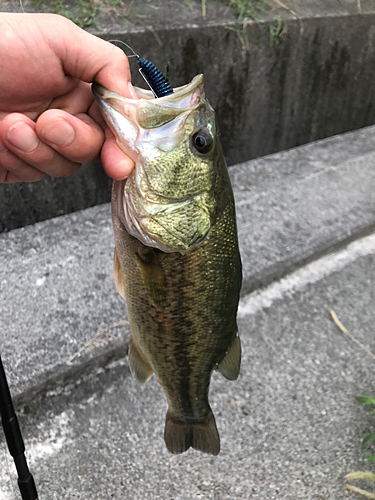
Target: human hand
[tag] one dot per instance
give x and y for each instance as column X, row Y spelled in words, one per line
column 49, row 119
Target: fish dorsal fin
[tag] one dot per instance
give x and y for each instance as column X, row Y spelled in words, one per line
column 229, row 367
column 153, row 277
column 117, row 273
column 138, row 365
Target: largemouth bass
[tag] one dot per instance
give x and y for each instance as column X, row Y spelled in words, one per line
column 177, row 262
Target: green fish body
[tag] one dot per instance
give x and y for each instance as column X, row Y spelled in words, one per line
column 177, row 262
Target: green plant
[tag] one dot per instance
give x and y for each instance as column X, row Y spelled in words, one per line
column 189, row 5
column 249, row 9
column 370, row 401
column 242, row 35
column 83, row 15
column 370, row 438
column 276, row 33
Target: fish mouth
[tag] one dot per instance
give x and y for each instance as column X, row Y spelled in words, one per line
column 185, row 96
column 148, row 118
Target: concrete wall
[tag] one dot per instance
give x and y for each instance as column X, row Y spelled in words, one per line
column 314, row 78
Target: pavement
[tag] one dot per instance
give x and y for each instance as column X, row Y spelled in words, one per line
column 291, row 427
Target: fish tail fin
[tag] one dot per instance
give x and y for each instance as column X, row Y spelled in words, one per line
column 202, row 435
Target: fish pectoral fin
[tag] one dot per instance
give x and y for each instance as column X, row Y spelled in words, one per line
column 229, row 367
column 153, row 278
column 139, row 366
column 202, row 435
column 117, row 273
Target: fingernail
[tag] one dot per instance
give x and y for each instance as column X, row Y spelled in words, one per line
column 59, row 132
column 23, row 137
column 122, row 171
column 126, row 168
column 132, row 91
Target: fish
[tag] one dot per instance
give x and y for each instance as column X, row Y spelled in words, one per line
column 177, row 262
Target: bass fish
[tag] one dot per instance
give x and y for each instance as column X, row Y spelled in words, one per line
column 177, row 262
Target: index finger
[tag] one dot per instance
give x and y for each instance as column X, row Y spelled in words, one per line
column 87, row 57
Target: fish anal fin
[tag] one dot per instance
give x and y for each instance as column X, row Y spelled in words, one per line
column 153, row 277
column 202, row 435
column 138, row 365
column 229, row 367
column 117, row 273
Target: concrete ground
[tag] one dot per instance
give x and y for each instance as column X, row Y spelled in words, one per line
column 290, row 426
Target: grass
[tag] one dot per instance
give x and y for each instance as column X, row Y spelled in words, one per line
column 276, row 33
column 367, row 443
column 249, row 9
column 253, row 10
column 83, row 13
column 370, row 439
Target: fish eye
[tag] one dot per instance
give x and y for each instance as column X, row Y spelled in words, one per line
column 202, row 141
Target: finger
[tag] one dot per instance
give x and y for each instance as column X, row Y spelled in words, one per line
column 90, row 58
column 76, row 101
column 116, row 164
column 12, row 169
column 18, row 134
column 78, row 138
column 8, row 177
column 95, row 113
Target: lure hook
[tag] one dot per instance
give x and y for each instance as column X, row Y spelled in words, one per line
column 151, row 75
column 128, row 46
